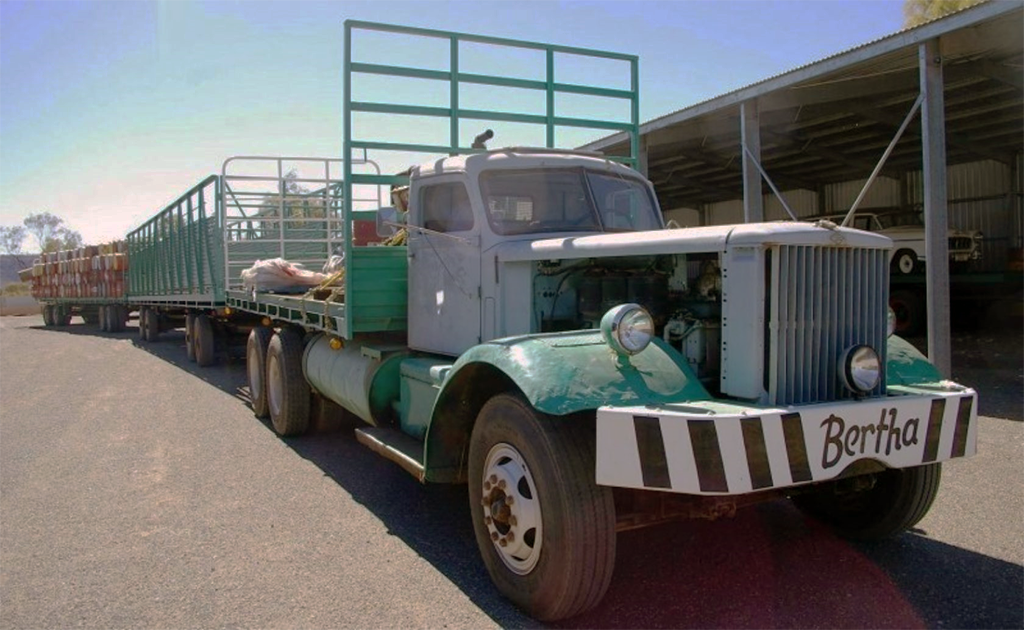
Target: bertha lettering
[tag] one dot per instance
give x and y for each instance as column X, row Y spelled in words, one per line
column 853, row 440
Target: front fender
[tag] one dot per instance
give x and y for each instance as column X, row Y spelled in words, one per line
column 563, row 373
column 905, row 365
column 559, row 374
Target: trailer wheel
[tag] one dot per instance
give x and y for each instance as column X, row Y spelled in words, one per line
column 152, row 325
column 904, row 262
column 190, row 324
column 63, row 316
column 896, row 501
column 545, row 530
column 142, row 322
column 119, row 314
column 203, row 341
column 48, row 315
column 256, row 369
column 288, row 392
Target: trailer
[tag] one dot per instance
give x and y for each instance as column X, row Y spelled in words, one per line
column 88, row 282
column 529, row 327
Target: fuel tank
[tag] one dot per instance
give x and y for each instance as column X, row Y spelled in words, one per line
column 361, row 376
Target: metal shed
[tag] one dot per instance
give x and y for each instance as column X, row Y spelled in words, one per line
column 805, row 142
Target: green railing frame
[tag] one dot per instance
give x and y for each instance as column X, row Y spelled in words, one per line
column 167, row 260
column 455, row 113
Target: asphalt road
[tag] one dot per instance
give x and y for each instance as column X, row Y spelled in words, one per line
column 137, row 490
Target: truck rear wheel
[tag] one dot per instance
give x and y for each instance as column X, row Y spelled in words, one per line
column 63, row 316
column 545, row 530
column 101, row 313
column 204, row 345
column 256, row 369
column 896, row 501
column 910, row 313
column 288, row 392
column 48, row 317
column 190, row 324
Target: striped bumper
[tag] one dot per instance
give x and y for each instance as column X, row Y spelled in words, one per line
column 715, row 449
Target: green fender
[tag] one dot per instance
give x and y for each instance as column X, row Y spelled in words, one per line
column 559, row 374
column 905, row 365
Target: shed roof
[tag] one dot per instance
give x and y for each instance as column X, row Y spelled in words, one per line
column 830, row 120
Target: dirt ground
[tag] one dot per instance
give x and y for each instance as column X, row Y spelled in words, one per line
column 992, row 362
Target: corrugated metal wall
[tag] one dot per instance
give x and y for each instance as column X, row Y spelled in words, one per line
column 979, row 199
column 982, row 196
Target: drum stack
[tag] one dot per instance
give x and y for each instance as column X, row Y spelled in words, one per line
column 94, row 271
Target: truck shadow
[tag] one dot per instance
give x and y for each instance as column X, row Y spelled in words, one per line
column 767, row 567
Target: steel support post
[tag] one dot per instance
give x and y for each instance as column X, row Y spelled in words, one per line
column 750, row 150
column 641, row 159
column 1015, row 205
column 936, row 215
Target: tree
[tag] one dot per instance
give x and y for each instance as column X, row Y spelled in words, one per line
column 11, row 238
column 50, row 232
column 920, row 11
column 11, row 241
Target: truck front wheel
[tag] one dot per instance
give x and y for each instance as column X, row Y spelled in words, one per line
column 896, row 501
column 545, row 530
column 288, row 392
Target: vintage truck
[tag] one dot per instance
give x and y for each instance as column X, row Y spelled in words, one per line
column 542, row 337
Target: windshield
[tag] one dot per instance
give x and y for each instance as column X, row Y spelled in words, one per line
column 897, row 219
column 569, row 200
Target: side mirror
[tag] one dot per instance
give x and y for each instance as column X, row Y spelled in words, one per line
column 387, row 221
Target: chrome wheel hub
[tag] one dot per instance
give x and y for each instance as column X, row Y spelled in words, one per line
column 511, row 509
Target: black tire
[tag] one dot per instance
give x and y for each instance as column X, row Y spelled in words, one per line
column 288, row 392
column 152, row 325
column 204, row 345
column 63, row 316
column 577, row 554
column 911, row 316
column 48, row 316
column 904, row 262
column 897, row 501
column 119, row 314
column 256, row 369
column 190, row 347
column 104, row 318
column 142, row 322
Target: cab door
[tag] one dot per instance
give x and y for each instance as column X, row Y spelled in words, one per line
column 444, row 268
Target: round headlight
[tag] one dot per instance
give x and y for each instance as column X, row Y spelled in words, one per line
column 891, row 321
column 627, row 328
column 861, row 369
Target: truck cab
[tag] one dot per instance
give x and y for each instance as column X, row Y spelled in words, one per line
column 466, row 211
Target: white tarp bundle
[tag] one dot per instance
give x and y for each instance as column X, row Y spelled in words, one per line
column 280, row 275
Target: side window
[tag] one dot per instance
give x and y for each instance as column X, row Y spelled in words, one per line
column 446, row 208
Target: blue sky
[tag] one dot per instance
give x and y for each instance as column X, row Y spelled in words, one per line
column 109, row 110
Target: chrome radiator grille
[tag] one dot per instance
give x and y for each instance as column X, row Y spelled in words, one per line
column 822, row 301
